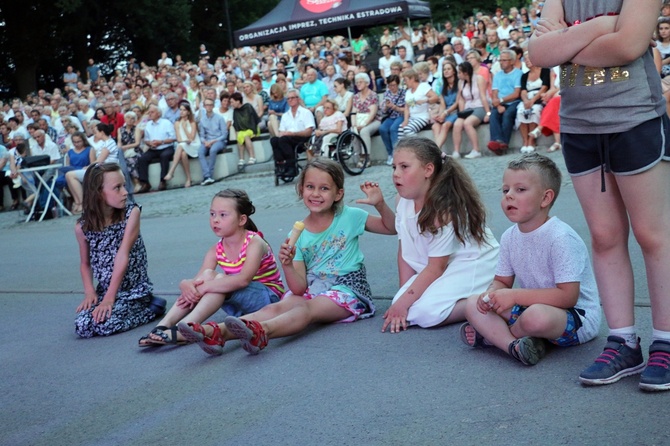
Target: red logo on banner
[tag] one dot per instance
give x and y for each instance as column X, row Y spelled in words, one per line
column 319, row 6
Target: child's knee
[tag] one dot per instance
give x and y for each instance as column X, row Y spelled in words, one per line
column 536, row 319
column 84, row 325
column 209, row 274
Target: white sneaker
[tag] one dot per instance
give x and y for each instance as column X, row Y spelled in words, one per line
column 473, row 154
column 455, row 155
column 389, row 160
column 535, row 133
column 240, row 162
column 527, row 149
column 252, row 160
column 207, row 181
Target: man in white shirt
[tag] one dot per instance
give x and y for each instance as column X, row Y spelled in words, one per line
column 159, row 136
column 164, row 60
column 385, row 65
column 296, row 127
column 45, row 147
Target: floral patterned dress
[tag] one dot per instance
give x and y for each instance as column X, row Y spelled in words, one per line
column 131, row 307
column 128, row 137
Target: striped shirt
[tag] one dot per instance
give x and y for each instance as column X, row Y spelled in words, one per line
column 268, row 272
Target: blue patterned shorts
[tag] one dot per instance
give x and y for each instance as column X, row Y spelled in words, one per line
column 569, row 336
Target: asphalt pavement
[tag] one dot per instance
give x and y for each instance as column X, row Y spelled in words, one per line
column 340, row 384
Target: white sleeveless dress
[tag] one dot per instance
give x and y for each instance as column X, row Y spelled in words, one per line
column 190, row 149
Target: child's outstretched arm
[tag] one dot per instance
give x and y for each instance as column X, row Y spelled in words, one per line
column 385, row 224
column 104, row 309
column 396, row 316
column 90, row 297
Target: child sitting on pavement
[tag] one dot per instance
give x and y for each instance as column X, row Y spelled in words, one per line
column 557, row 298
column 249, row 277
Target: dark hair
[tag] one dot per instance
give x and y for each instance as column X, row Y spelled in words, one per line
column 452, row 196
column 187, row 106
column 237, row 96
column 243, row 205
column 393, row 78
column 93, row 218
column 332, row 168
column 82, row 136
column 22, row 149
column 107, row 129
column 344, row 81
column 445, row 85
column 224, row 95
column 466, row 68
column 550, row 175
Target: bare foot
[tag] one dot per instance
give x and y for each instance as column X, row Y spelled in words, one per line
column 167, row 177
column 187, row 183
column 471, row 337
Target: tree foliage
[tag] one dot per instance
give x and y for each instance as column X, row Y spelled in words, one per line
column 40, row 38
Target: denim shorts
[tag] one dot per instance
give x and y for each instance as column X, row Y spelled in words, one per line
column 569, row 336
column 249, row 299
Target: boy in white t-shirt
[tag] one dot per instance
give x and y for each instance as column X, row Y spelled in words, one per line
column 557, row 298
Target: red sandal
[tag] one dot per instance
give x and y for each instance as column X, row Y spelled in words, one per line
column 250, row 333
column 194, row 332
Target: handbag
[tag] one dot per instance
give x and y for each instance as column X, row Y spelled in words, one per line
column 362, row 119
column 465, row 113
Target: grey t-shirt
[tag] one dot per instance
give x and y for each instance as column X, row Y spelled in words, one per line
column 607, row 100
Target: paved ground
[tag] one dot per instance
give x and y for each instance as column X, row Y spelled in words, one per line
column 339, row 384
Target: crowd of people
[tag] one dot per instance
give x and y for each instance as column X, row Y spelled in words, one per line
column 451, row 267
column 175, row 110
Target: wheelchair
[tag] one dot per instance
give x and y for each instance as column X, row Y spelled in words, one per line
column 347, row 148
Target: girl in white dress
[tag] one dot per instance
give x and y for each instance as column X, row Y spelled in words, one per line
column 188, row 142
column 446, row 251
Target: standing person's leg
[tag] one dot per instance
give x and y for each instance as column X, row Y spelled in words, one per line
column 647, row 200
column 607, row 220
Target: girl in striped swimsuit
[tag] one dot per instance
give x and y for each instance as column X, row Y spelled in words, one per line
column 250, row 279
